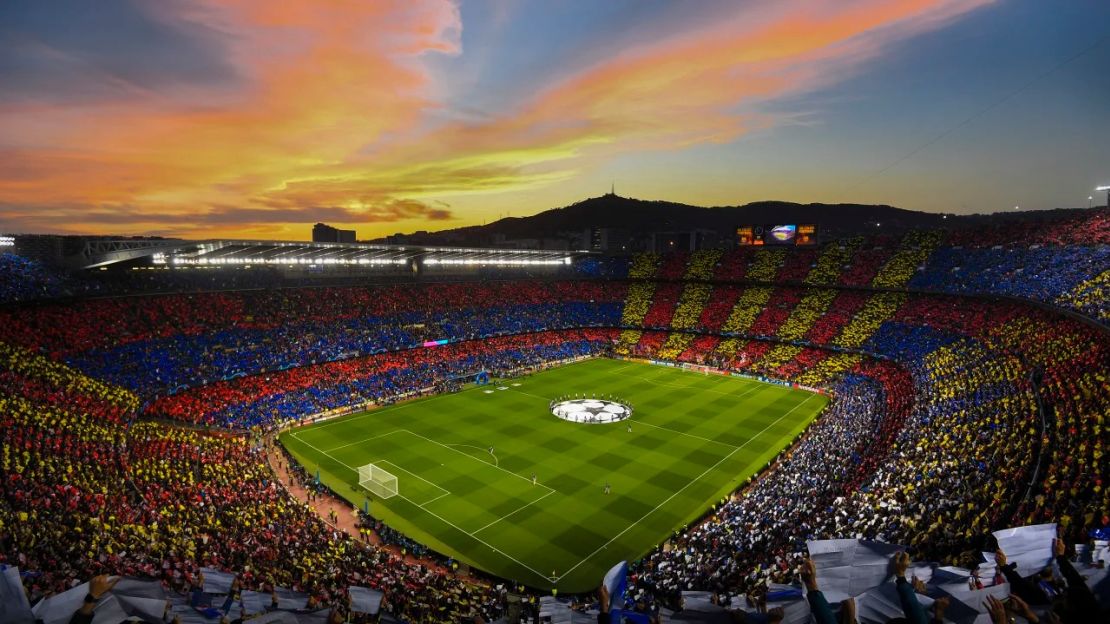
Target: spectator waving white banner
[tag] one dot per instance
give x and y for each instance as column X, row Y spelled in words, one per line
column 1030, row 547
column 850, row 567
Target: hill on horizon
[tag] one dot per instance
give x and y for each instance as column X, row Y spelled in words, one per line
column 639, row 215
column 646, row 216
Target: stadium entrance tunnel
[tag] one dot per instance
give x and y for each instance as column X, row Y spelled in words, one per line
column 591, row 411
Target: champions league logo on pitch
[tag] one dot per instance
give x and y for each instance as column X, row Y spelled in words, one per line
column 591, row 411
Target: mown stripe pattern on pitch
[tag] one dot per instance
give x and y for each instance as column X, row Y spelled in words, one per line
column 694, row 438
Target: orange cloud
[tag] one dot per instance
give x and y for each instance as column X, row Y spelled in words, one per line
column 331, row 115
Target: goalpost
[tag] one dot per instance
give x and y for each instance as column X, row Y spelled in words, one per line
column 380, row 482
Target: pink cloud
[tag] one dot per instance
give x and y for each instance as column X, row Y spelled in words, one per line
column 331, row 109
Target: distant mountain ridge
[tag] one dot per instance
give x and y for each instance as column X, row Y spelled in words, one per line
column 646, row 216
column 638, row 215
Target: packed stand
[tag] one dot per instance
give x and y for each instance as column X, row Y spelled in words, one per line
column 269, row 399
column 161, row 345
column 86, row 494
column 955, row 437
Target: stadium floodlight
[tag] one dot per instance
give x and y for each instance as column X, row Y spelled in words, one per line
column 380, row 482
column 1104, row 188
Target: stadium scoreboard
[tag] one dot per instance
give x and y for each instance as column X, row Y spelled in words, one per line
column 776, row 235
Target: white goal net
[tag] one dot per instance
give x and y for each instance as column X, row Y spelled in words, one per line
column 381, row 483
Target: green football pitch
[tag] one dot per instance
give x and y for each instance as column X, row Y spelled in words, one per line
column 694, row 439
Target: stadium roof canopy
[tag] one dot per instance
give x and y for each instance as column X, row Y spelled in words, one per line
column 96, row 253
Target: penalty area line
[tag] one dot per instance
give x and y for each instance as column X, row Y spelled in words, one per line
column 454, row 450
column 379, row 410
column 382, row 435
column 469, row 534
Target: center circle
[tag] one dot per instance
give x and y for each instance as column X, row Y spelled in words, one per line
column 591, row 411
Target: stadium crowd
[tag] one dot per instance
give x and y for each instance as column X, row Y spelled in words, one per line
column 86, row 494
column 300, row 392
column 970, row 434
column 159, row 345
column 953, row 415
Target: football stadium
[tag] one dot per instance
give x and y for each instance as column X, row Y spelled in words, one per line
column 303, row 319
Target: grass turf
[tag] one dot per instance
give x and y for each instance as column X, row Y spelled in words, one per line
column 694, row 439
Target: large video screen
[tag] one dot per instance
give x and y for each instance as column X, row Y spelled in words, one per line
column 806, row 235
column 783, row 234
column 780, row 234
column 745, row 235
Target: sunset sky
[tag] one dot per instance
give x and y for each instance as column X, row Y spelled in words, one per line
column 255, row 118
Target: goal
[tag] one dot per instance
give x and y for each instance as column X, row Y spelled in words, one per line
column 381, row 483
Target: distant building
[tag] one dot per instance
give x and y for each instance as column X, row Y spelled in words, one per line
column 322, row 233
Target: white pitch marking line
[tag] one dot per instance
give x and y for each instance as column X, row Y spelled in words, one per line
column 695, row 388
column 689, row 435
column 429, row 502
column 521, row 508
column 402, row 469
column 382, row 461
column 448, row 522
column 755, row 382
column 496, row 462
column 480, row 540
column 679, row 491
column 297, row 435
column 336, row 448
column 472, row 457
column 382, row 410
column 529, row 394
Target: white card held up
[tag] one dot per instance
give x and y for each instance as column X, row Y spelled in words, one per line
column 1030, row 547
column 850, row 567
